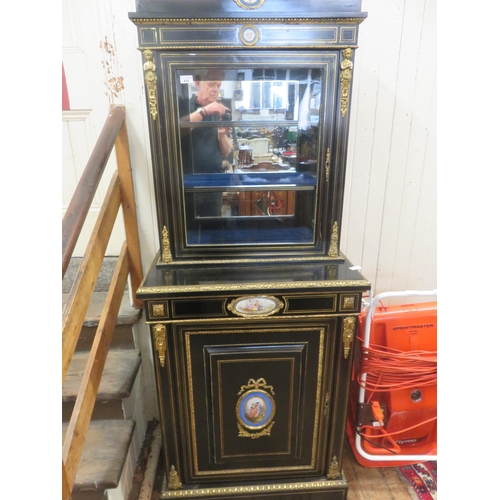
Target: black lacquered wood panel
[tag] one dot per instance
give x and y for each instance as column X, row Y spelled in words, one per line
column 279, row 367
column 198, row 308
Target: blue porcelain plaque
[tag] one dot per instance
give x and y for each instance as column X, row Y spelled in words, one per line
column 255, row 409
column 249, row 4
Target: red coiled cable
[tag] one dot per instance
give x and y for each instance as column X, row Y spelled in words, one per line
column 389, row 369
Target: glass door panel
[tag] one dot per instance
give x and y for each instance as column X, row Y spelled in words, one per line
column 249, row 142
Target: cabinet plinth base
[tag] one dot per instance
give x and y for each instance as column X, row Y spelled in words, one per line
column 320, row 489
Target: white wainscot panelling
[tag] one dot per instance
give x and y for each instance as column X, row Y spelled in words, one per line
column 74, row 58
column 76, row 149
column 389, row 222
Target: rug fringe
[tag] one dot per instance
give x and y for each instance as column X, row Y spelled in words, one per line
column 421, row 480
column 407, row 483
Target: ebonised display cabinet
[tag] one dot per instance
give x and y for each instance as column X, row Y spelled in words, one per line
column 252, row 307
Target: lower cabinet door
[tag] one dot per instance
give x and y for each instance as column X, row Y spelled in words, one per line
column 253, row 398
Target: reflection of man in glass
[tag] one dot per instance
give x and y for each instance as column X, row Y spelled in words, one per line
column 210, row 146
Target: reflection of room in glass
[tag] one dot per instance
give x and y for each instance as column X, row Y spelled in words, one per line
column 269, row 95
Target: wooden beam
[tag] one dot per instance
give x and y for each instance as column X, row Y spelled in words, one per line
column 81, row 292
column 129, row 211
column 85, row 401
column 66, row 490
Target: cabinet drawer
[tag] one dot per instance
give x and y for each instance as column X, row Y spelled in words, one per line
column 314, row 303
column 200, row 308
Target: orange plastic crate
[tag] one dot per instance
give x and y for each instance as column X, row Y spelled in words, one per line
column 408, row 327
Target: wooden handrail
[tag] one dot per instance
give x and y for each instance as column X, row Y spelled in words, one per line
column 120, row 193
column 79, row 206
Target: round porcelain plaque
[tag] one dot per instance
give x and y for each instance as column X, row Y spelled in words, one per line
column 249, row 35
column 249, row 4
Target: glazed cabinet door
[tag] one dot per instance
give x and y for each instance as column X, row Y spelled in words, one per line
column 252, row 171
column 252, row 400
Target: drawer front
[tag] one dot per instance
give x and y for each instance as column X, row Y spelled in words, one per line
column 252, row 398
column 253, row 305
column 311, row 303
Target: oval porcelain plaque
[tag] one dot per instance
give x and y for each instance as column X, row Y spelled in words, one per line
column 255, row 409
column 260, row 305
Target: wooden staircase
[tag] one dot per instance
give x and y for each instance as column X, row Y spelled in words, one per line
column 110, row 431
column 100, row 363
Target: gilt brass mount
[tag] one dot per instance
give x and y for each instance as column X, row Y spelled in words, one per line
column 160, row 332
column 348, row 334
column 256, row 384
column 174, row 483
column 334, row 242
column 327, row 165
column 158, row 310
column 166, row 255
column 345, row 80
column 150, row 79
column 334, row 469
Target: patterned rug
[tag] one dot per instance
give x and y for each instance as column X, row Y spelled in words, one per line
column 422, row 478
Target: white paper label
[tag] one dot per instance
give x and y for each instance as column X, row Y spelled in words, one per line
column 186, row 78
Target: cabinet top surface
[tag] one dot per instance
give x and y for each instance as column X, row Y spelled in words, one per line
column 247, row 8
column 257, row 277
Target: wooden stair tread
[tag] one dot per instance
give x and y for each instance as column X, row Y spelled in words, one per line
column 128, row 315
column 104, row 454
column 117, row 379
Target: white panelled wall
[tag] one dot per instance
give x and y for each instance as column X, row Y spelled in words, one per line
column 389, row 222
